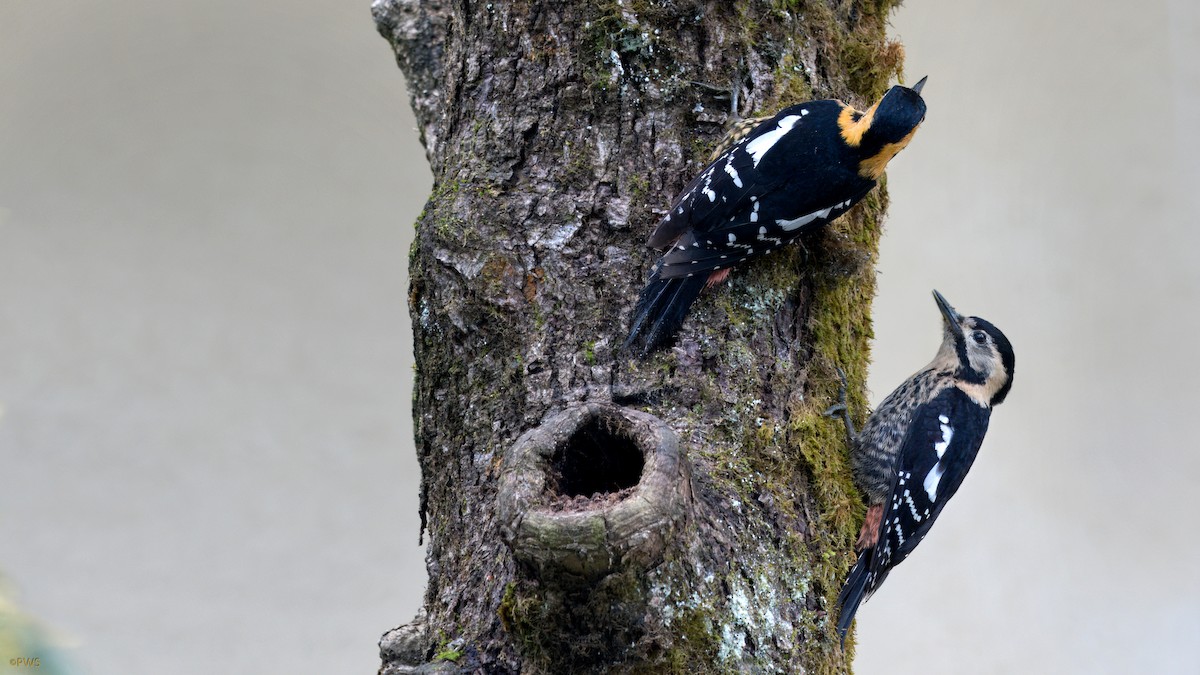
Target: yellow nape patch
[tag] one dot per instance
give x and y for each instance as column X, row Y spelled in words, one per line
column 853, row 129
column 873, row 166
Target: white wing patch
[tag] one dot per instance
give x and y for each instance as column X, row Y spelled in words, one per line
column 759, row 146
column 733, row 173
column 789, row 225
column 912, row 505
column 947, row 434
column 935, row 474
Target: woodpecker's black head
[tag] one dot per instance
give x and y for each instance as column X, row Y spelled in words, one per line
column 896, row 116
column 981, row 354
column 885, row 129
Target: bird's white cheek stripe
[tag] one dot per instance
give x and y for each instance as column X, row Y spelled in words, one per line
column 759, row 146
column 935, row 474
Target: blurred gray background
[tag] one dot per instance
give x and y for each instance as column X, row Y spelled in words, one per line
column 206, row 459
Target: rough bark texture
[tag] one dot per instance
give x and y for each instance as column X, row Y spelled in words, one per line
column 697, row 513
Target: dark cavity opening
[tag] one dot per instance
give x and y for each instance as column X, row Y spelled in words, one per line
column 599, row 458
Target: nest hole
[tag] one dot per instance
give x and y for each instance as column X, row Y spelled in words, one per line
column 600, row 458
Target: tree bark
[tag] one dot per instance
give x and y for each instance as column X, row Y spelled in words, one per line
column 588, row 511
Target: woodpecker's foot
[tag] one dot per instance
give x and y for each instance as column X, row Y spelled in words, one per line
column 842, row 408
column 868, row 536
column 835, row 410
column 807, row 254
column 732, row 93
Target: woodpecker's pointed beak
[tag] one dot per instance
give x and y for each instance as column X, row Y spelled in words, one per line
column 917, row 88
column 952, row 317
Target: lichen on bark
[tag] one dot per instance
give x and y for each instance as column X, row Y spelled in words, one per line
column 557, row 134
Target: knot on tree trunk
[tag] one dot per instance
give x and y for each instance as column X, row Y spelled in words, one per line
column 595, row 489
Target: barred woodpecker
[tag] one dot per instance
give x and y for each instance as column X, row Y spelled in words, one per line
column 790, row 174
column 916, row 448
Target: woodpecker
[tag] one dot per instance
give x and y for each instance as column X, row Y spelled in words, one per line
column 916, row 448
column 790, row 174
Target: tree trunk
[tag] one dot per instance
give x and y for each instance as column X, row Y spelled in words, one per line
column 588, row 511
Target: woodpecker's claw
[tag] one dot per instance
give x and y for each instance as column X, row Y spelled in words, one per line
column 710, row 87
column 732, row 93
column 842, row 408
column 833, row 410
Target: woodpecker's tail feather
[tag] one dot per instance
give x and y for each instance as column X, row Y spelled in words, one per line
column 853, row 593
column 661, row 309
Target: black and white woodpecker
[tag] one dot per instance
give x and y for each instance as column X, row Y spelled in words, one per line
column 916, row 448
column 790, row 174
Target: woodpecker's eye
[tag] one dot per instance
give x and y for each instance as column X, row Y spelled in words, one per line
column 979, row 337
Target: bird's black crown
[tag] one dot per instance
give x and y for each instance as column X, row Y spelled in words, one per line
column 1007, row 357
column 899, row 112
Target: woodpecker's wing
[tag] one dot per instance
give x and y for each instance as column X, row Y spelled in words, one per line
column 793, row 168
column 742, row 238
column 935, row 455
